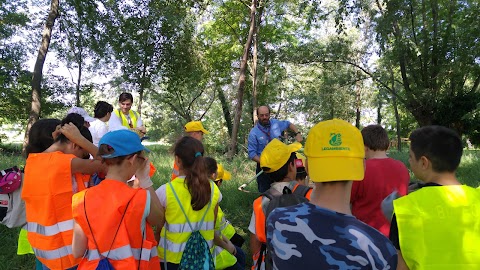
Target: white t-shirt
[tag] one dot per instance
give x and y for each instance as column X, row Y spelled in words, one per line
column 98, row 128
column 115, row 123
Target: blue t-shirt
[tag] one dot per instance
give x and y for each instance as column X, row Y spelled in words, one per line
column 312, row 237
column 260, row 136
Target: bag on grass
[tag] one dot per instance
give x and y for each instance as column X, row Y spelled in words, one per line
column 196, row 254
column 11, row 179
column 12, row 207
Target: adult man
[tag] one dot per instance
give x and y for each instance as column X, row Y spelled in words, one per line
column 323, row 234
column 383, row 175
column 195, row 130
column 125, row 117
column 278, row 162
column 261, row 134
column 437, row 226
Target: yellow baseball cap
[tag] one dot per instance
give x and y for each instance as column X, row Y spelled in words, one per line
column 222, row 173
column 195, row 126
column 335, row 152
column 276, row 154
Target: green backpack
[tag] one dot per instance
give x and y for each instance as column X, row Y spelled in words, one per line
column 196, row 254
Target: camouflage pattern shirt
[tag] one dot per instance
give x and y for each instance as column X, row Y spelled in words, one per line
column 313, row 237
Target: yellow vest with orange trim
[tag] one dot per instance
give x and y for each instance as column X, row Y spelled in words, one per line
column 133, row 117
column 47, row 192
column 439, row 228
column 175, row 233
column 105, row 205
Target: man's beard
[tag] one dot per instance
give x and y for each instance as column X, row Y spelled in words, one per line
column 266, row 124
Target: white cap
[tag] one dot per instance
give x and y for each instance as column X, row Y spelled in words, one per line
column 82, row 112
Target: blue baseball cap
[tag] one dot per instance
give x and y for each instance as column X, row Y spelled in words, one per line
column 124, row 142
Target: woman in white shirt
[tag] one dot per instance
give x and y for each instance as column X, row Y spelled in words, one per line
column 98, row 128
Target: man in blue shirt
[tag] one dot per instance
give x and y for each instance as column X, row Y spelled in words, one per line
column 261, row 134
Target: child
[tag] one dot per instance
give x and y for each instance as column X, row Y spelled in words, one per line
column 223, row 258
column 114, row 218
column 191, row 195
column 48, row 187
column 301, row 176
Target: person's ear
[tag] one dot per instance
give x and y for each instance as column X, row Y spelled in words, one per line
column 425, row 162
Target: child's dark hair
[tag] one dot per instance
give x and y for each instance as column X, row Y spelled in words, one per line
column 441, row 145
column 279, row 175
column 125, row 96
column 105, row 149
column 190, row 152
column 40, row 135
column 211, row 164
column 101, row 109
column 301, row 173
column 375, row 137
column 78, row 121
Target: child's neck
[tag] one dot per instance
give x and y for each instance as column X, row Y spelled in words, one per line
column 376, row 154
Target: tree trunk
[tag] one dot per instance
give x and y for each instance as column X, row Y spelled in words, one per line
column 379, row 109
column 38, row 69
column 79, row 79
column 358, row 100
column 397, row 116
column 241, row 81
column 255, row 65
column 226, row 110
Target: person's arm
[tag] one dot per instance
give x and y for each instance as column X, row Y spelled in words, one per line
column 79, row 242
column 87, row 166
column 156, row 216
column 255, row 244
column 140, row 127
column 401, row 262
column 252, row 147
column 73, row 134
column 298, row 134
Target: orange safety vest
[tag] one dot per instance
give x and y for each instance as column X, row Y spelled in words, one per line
column 47, row 192
column 105, row 205
column 175, row 171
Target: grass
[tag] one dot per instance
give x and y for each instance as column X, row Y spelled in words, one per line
column 236, row 205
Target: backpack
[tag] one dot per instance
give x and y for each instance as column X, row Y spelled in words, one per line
column 12, row 207
column 196, row 254
column 277, row 199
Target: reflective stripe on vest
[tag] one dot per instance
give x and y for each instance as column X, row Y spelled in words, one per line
column 223, row 225
column 183, row 228
column 439, row 228
column 53, row 254
column 62, row 226
column 124, row 252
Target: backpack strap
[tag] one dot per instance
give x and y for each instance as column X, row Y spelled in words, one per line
column 90, row 228
column 302, row 190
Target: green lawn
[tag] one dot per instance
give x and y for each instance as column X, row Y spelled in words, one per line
column 235, row 204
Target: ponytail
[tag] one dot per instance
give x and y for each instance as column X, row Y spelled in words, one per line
column 190, row 152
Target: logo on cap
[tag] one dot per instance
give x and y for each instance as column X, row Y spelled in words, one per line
column 335, row 141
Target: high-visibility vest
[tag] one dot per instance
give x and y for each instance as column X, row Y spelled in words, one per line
column 47, row 192
column 439, row 228
column 176, row 231
column 175, row 171
column 105, row 205
column 222, row 257
column 133, row 117
column 23, row 246
column 259, row 207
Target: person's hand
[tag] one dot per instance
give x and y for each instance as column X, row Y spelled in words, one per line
column 142, row 129
column 71, row 132
column 229, row 246
column 299, row 137
column 142, row 174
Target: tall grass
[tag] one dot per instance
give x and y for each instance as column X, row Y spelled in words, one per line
column 237, row 205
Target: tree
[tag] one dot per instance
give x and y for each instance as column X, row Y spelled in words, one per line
column 37, row 71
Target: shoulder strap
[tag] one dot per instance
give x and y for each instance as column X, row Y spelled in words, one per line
column 90, row 228
column 183, row 210
column 271, row 193
column 301, row 190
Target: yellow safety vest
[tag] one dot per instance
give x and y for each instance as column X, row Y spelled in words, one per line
column 24, row 246
column 222, row 257
column 439, row 228
column 133, row 117
column 176, row 230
